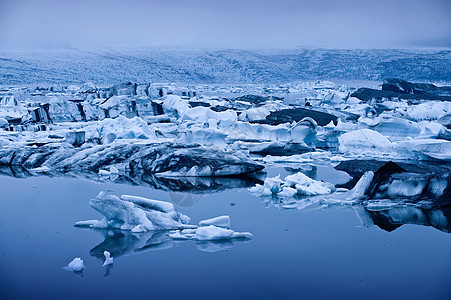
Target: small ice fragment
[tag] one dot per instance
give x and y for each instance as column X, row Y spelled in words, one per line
column 362, row 185
column 209, row 233
column 104, row 173
column 76, row 265
column 288, row 192
column 108, row 258
column 221, row 221
column 242, row 235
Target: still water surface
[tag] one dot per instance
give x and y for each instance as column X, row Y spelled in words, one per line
column 316, row 253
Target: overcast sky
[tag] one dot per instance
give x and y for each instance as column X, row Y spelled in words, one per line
column 225, row 24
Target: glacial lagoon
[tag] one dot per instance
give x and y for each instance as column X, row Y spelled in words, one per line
column 319, row 252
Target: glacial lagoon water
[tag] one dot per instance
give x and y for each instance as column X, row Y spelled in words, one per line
column 315, row 253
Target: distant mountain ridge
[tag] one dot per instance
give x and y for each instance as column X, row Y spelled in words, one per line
column 221, row 66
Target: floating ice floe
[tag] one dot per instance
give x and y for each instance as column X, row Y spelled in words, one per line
column 428, row 111
column 108, row 259
column 424, row 149
column 212, row 233
column 76, row 265
column 215, row 229
column 365, row 142
column 221, row 221
column 297, row 184
column 137, row 214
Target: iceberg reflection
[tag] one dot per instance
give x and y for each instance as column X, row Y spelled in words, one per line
column 197, row 185
column 122, row 243
column 393, row 218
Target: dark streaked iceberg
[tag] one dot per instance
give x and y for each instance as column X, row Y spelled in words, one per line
column 402, row 182
column 166, row 160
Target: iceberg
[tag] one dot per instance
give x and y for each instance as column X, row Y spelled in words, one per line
column 425, row 149
column 202, row 115
column 140, row 215
column 174, row 106
column 108, row 259
column 212, row 233
column 363, row 142
column 168, row 160
column 432, row 110
column 76, row 265
column 221, row 221
column 136, row 214
column 306, row 186
column 297, row 184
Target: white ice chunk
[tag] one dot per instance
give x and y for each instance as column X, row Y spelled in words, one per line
column 111, row 130
column 288, row 192
column 76, row 265
column 211, row 233
column 204, row 136
column 431, row 110
column 202, row 115
column 108, row 258
column 242, row 235
column 296, row 184
column 432, row 130
column 254, row 114
column 136, row 214
column 271, row 185
column 425, row 149
column 362, row 185
column 307, row 186
column 364, row 141
column 221, row 221
column 175, row 105
column 104, row 173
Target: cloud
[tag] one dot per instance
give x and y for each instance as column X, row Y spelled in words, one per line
column 223, row 24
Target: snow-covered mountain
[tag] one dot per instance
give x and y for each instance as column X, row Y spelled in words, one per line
column 221, row 66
